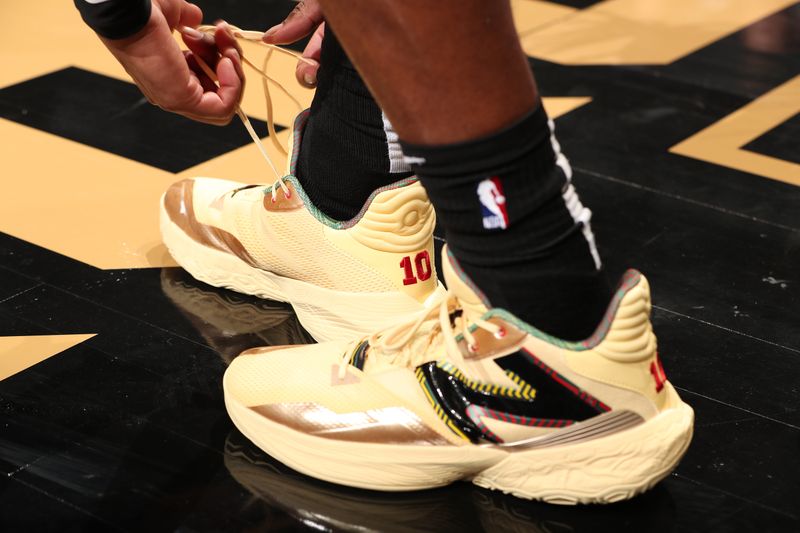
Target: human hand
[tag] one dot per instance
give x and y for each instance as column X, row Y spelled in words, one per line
column 305, row 18
column 173, row 79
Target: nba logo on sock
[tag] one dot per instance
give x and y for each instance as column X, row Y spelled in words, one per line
column 493, row 203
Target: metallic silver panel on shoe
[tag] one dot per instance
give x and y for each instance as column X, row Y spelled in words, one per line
column 389, row 425
column 594, row 428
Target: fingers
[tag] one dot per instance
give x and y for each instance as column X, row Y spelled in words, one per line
column 170, row 9
column 221, row 53
column 202, row 45
column 306, row 73
column 190, row 16
column 303, row 19
column 180, row 13
column 230, row 84
column 209, row 48
column 197, row 71
column 219, row 107
column 173, row 79
column 229, row 47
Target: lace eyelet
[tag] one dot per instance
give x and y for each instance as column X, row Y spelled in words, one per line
column 500, row 333
column 287, row 195
column 472, row 348
column 273, row 200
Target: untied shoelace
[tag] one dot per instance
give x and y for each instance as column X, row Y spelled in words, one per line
column 266, row 80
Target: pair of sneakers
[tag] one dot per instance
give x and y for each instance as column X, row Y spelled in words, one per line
column 416, row 387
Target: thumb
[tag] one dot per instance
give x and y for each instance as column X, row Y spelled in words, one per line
column 190, row 16
column 301, row 21
column 230, row 84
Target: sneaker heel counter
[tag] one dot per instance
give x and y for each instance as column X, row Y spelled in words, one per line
column 627, row 356
column 395, row 237
column 630, row 337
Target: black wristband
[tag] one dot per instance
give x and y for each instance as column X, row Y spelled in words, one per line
column 115, row 19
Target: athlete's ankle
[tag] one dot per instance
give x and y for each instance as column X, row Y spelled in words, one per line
column 513, row 220
column 348, row 148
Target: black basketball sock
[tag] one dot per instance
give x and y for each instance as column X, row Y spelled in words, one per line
column 514, row 222
column 348, row 148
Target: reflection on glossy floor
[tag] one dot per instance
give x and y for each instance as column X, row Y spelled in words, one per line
column 684, row 130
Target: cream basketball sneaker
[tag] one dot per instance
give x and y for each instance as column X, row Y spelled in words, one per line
column 465, row 392
column 344, row 279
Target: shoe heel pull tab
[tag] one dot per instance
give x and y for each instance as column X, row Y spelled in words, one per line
column 630, row 336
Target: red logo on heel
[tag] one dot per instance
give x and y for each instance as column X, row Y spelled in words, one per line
column 658, row 373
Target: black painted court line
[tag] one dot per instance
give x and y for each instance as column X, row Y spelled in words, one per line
column 113, row 116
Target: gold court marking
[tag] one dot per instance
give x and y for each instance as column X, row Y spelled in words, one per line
column 557, row 106
column 67, row 202
column 59, row 194
column 721, row 143
column 85, row 203
column 532, row 14
column 20, row 353
column 78, row 213
column 625, row 32
column 78, row 46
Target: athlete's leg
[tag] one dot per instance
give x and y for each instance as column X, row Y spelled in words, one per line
column 454, row 81
column 444, row 71
column 469, row 391
column 348, row 148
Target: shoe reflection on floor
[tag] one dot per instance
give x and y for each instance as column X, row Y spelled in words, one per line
column 462, row 507
column 231, row 322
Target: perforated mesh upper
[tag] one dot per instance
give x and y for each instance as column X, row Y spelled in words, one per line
column 292, row 244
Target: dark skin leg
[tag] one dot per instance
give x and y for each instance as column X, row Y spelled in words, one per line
column 444, row 71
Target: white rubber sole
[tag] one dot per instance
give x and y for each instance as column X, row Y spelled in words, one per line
column 602, row 470
column 326, row 314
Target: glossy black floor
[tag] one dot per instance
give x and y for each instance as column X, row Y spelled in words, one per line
column 128, row 431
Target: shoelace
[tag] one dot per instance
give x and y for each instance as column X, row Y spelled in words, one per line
column 266, row 80
column 399, row 346
column 397, row 342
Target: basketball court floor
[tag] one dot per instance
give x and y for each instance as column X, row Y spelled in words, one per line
column 682, row 121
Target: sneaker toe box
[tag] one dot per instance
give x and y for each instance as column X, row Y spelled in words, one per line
column 284, row 374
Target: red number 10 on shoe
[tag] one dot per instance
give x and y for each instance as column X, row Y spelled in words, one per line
column 422, row 266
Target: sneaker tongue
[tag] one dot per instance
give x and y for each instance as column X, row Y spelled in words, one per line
column 459, row 284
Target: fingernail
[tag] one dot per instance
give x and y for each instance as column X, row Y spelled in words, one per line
column 273, row 30
column 191, row 32
column 309, row 79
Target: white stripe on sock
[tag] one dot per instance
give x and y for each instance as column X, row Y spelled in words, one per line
column 397, row 163
column 580, row 214
column 411, row 160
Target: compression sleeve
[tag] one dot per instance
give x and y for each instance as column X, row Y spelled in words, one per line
column 115, row 19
